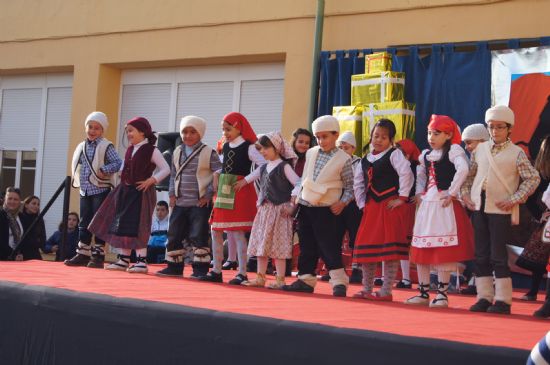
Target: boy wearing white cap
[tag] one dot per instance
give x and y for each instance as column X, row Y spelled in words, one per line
column 473, row 135
column 326, row 187
column 500, row 178
column 94, row 165
column 190, row 192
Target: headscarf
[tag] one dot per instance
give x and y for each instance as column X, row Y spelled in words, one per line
column 409, row 148
column 142, row 125
column 445, row 124
column 283, row 148
column 237, row 120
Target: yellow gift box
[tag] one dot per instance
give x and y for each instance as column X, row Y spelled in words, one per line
column 377, row 62
column 350, row 119
column 377, row 87
column 399, row 112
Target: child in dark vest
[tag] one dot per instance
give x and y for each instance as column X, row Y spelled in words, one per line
column 234, row 211
column 271, row 235
column 191, row 191
column 124, row 218
column 95, row 163
column 442, row 234
column 324, row 191
column 382, row 188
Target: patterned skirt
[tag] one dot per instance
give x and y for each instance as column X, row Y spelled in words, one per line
column 271, row 233
column 115, row 209
column 242, row 215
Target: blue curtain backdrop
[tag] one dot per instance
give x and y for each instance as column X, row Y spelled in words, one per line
column 446, row 81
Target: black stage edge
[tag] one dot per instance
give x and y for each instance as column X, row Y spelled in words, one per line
column 42, row 325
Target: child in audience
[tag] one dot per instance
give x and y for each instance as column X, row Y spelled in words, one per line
column 53, row 244
column 156, row 247
column 234, row 211
column 382, row 187
column 442, row 234
column 501, row 177
column 190, row 191
column 94, row 167
column 124, row 218
column 271, row 235
column 324, row 191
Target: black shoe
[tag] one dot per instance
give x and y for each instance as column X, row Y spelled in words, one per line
column 404, row 284
column 96, row 262
column 356, row 276
column 378, row 282
column 212, row 277
column 200, row 269
column 325, row 277
column 238, row 280
column 339, row 290
column 298, row 286
column 499, row 308
column 470, row 290
column 78, row 260
column 230, row 265
column 544, row 311
column 481, row 306
column 172, row 269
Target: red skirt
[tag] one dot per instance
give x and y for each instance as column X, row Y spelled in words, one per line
column 241, row 217
column 384, row 234
column 462, row 252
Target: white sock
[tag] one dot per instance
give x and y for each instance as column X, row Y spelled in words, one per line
column 406, row 270
column 262, row 264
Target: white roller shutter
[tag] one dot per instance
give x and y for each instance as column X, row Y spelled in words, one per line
column 151, row 101
column 20, row 119
column 261, row 102
column 209, row 100
column 56, row 153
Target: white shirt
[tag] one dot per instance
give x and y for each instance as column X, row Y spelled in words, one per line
column 162, row 169
column 289, row 172
column 160, row 225
column 400, row 164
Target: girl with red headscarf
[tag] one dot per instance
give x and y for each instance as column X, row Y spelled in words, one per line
column 234, row 208
column 442, row 234
column 124, row 218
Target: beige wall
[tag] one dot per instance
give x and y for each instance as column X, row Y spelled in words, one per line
column 97, row 39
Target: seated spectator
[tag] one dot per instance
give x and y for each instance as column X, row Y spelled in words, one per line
column 156, row 246
column 53, row 244
column 11, row 228
column 35, row 240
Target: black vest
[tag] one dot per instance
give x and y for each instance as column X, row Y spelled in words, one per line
column 235, row 160
column 444, row 171
column 275, row 187
column 384, row 181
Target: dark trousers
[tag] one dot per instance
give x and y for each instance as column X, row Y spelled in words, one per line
column 320, row 233
column 491, row 232
column 190, row 223
column 352, row 218
column 89, row 205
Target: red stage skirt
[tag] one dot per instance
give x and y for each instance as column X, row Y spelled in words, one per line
column 462, row 252
column 241, row 217
column 384, row 234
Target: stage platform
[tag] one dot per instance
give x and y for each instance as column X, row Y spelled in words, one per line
column 53, row 314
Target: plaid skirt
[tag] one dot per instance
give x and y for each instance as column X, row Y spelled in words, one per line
column 120, row 226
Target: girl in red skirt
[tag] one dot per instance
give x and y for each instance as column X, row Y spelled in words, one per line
column 234, row 211
column 381, row 188
column 124, row 218
column 442, row 234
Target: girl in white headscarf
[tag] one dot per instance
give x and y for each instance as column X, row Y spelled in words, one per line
column 271, row 235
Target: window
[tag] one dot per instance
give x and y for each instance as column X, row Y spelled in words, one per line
column 18, row 169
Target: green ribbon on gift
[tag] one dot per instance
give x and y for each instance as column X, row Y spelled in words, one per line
column 225, row 198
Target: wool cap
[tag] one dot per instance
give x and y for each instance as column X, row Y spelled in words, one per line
column 192, row 121
column 347, row 137
column 500, row 113
column 99, row 117
column 476, row 131
column 325, row 123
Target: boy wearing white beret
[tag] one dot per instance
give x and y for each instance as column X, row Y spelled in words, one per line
column 190, row 191
column 500, row 178
column 94, row 166
column 326, row 187
column 473, row 135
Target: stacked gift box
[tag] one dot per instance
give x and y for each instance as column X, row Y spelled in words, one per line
column 379, row 93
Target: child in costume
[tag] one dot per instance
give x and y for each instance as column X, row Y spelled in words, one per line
column 124, row 218
column 442, row 234
column 473, row 135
